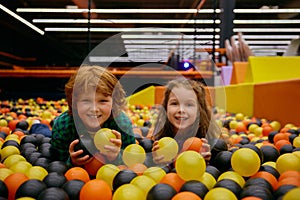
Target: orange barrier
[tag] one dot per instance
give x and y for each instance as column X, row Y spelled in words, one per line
column 278, row 101
column 239, row 72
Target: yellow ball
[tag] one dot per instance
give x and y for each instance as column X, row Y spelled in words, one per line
column 296, row 142
column 292, row 194
column 107, row 173
column 275, row 125
column 156, row 173
column 133, row 153
column 128, row 192
column 233, row 124
column 5, row 172
column 21, row 166
column 102, row 138
column 190, row 165
column 239, row 116
column 12, row 159
column 287, row 161
column 168, row 148
column 245, row 161
column 232, row 176
column 252, row 127
column 8, row 150
column 208, row 180
column 37, row 172
column 144, row 182
column 220, row 193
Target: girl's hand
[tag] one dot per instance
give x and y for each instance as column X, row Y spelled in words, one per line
column 156, row 159
column 205, row 150
column 112, row 151
column 76, row 156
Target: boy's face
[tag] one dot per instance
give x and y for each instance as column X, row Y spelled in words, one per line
column 93, row 109
column 182, row 108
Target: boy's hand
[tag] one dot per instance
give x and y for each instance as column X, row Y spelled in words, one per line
column 76, row 156
column 112, row 151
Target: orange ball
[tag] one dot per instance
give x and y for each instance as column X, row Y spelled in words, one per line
column 77, row 173
column 280, row 136
column 281, row 143
column 289, row 173
column 173, row 180
column 266, row 130
column 95, row 189
column 138, row 168
column 186, row 195
column 192, row 143
column 92, row 167
column 13, row 182
column 268, row 177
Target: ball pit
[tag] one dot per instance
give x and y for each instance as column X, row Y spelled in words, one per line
column 253, row 152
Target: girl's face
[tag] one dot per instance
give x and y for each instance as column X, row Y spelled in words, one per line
column 182, row 108
column 93, row 109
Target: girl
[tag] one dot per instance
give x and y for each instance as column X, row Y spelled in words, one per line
column 184, row 114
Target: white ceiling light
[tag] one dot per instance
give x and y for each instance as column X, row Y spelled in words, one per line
column 21, row 20
column 119, row 11
column 297, row 10
column 164, row 36
column 127, row 21
column 58, row 29
column 266, row 21
column 272, row 30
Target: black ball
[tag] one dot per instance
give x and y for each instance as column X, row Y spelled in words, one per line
column 259, row 182
column 196, row 187
column 10, row 143
column 57, row 166
column 270, row 153
column 146, row 144
column 222, row 161
column 26, row 152
column 287, row 148
column 282, row 190
column 271, row 136
column 26, row 146
column 31, row 188
column 213, row 171
column 230, row 185
column 3, row 135
column 29, row 139
column 144, row 130
column 123, row 177
column 87, row 145
column 3, row 190
column 54, row 179
column 23, row 125
column 256, row 191
column 72, row 188
column 270, row 169
column 32, row 158
column 53, row 193
column 161, row 191
column 42, row 161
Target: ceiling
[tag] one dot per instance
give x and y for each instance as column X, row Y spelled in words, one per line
column 23, row 46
